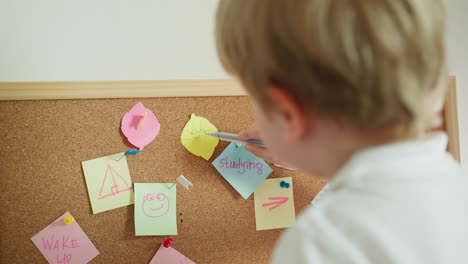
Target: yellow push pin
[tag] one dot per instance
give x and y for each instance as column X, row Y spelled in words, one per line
column 69, row 220
column 143, row 120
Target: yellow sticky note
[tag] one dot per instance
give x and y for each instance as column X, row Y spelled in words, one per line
column 274, row 205
column 195, row 137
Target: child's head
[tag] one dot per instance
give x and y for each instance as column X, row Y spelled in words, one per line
column 365, row 65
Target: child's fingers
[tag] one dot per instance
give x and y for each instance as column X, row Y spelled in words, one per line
column 265, row 154
column 260, row 152
column 251, row 133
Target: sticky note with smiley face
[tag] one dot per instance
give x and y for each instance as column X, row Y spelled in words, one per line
column 155, row 209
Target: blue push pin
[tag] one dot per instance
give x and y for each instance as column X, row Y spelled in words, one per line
column 128, row 152
column 131, row 152
column 284, row 184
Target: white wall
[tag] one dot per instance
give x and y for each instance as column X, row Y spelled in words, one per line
column 55, row 40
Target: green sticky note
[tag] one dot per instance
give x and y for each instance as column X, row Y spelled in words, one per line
column 108, row 181
column 155, row 209
column 274, row 205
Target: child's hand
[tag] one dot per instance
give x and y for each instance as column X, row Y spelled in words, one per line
column 261, row 151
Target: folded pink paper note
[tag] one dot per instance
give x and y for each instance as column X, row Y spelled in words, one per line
column 65, row 243
column 170, row 256
column 140, row 126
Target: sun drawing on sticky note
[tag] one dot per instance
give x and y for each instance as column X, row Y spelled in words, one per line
column 195, row 137
column 113, row 184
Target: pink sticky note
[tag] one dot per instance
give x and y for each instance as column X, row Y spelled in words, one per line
column 140, row 126
column 170, row 256
column 62, row 243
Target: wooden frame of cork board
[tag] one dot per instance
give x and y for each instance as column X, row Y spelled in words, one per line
column 44, row 142
column 450, row 124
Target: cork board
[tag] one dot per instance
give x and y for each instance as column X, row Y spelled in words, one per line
column 44, row 142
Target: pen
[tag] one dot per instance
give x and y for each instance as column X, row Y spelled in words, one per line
column 234, row 138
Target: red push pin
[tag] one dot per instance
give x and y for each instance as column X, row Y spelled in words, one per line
column 167, row 243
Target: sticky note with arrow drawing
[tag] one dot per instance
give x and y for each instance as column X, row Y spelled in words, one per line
column 274, row 206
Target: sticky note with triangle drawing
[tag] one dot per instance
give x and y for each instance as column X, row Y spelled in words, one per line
column 109, row 183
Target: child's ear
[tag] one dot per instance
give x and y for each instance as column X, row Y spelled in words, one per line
column 299, row 122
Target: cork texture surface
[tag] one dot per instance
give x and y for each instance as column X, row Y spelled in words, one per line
column 43, row 145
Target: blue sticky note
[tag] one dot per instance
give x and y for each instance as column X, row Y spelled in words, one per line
column 242, row 169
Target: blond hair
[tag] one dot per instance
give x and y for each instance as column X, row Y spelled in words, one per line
column 368, row 62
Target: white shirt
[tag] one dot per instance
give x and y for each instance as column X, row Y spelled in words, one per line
column 398, row 203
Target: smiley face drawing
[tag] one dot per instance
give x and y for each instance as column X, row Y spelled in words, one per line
column 155, row 205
